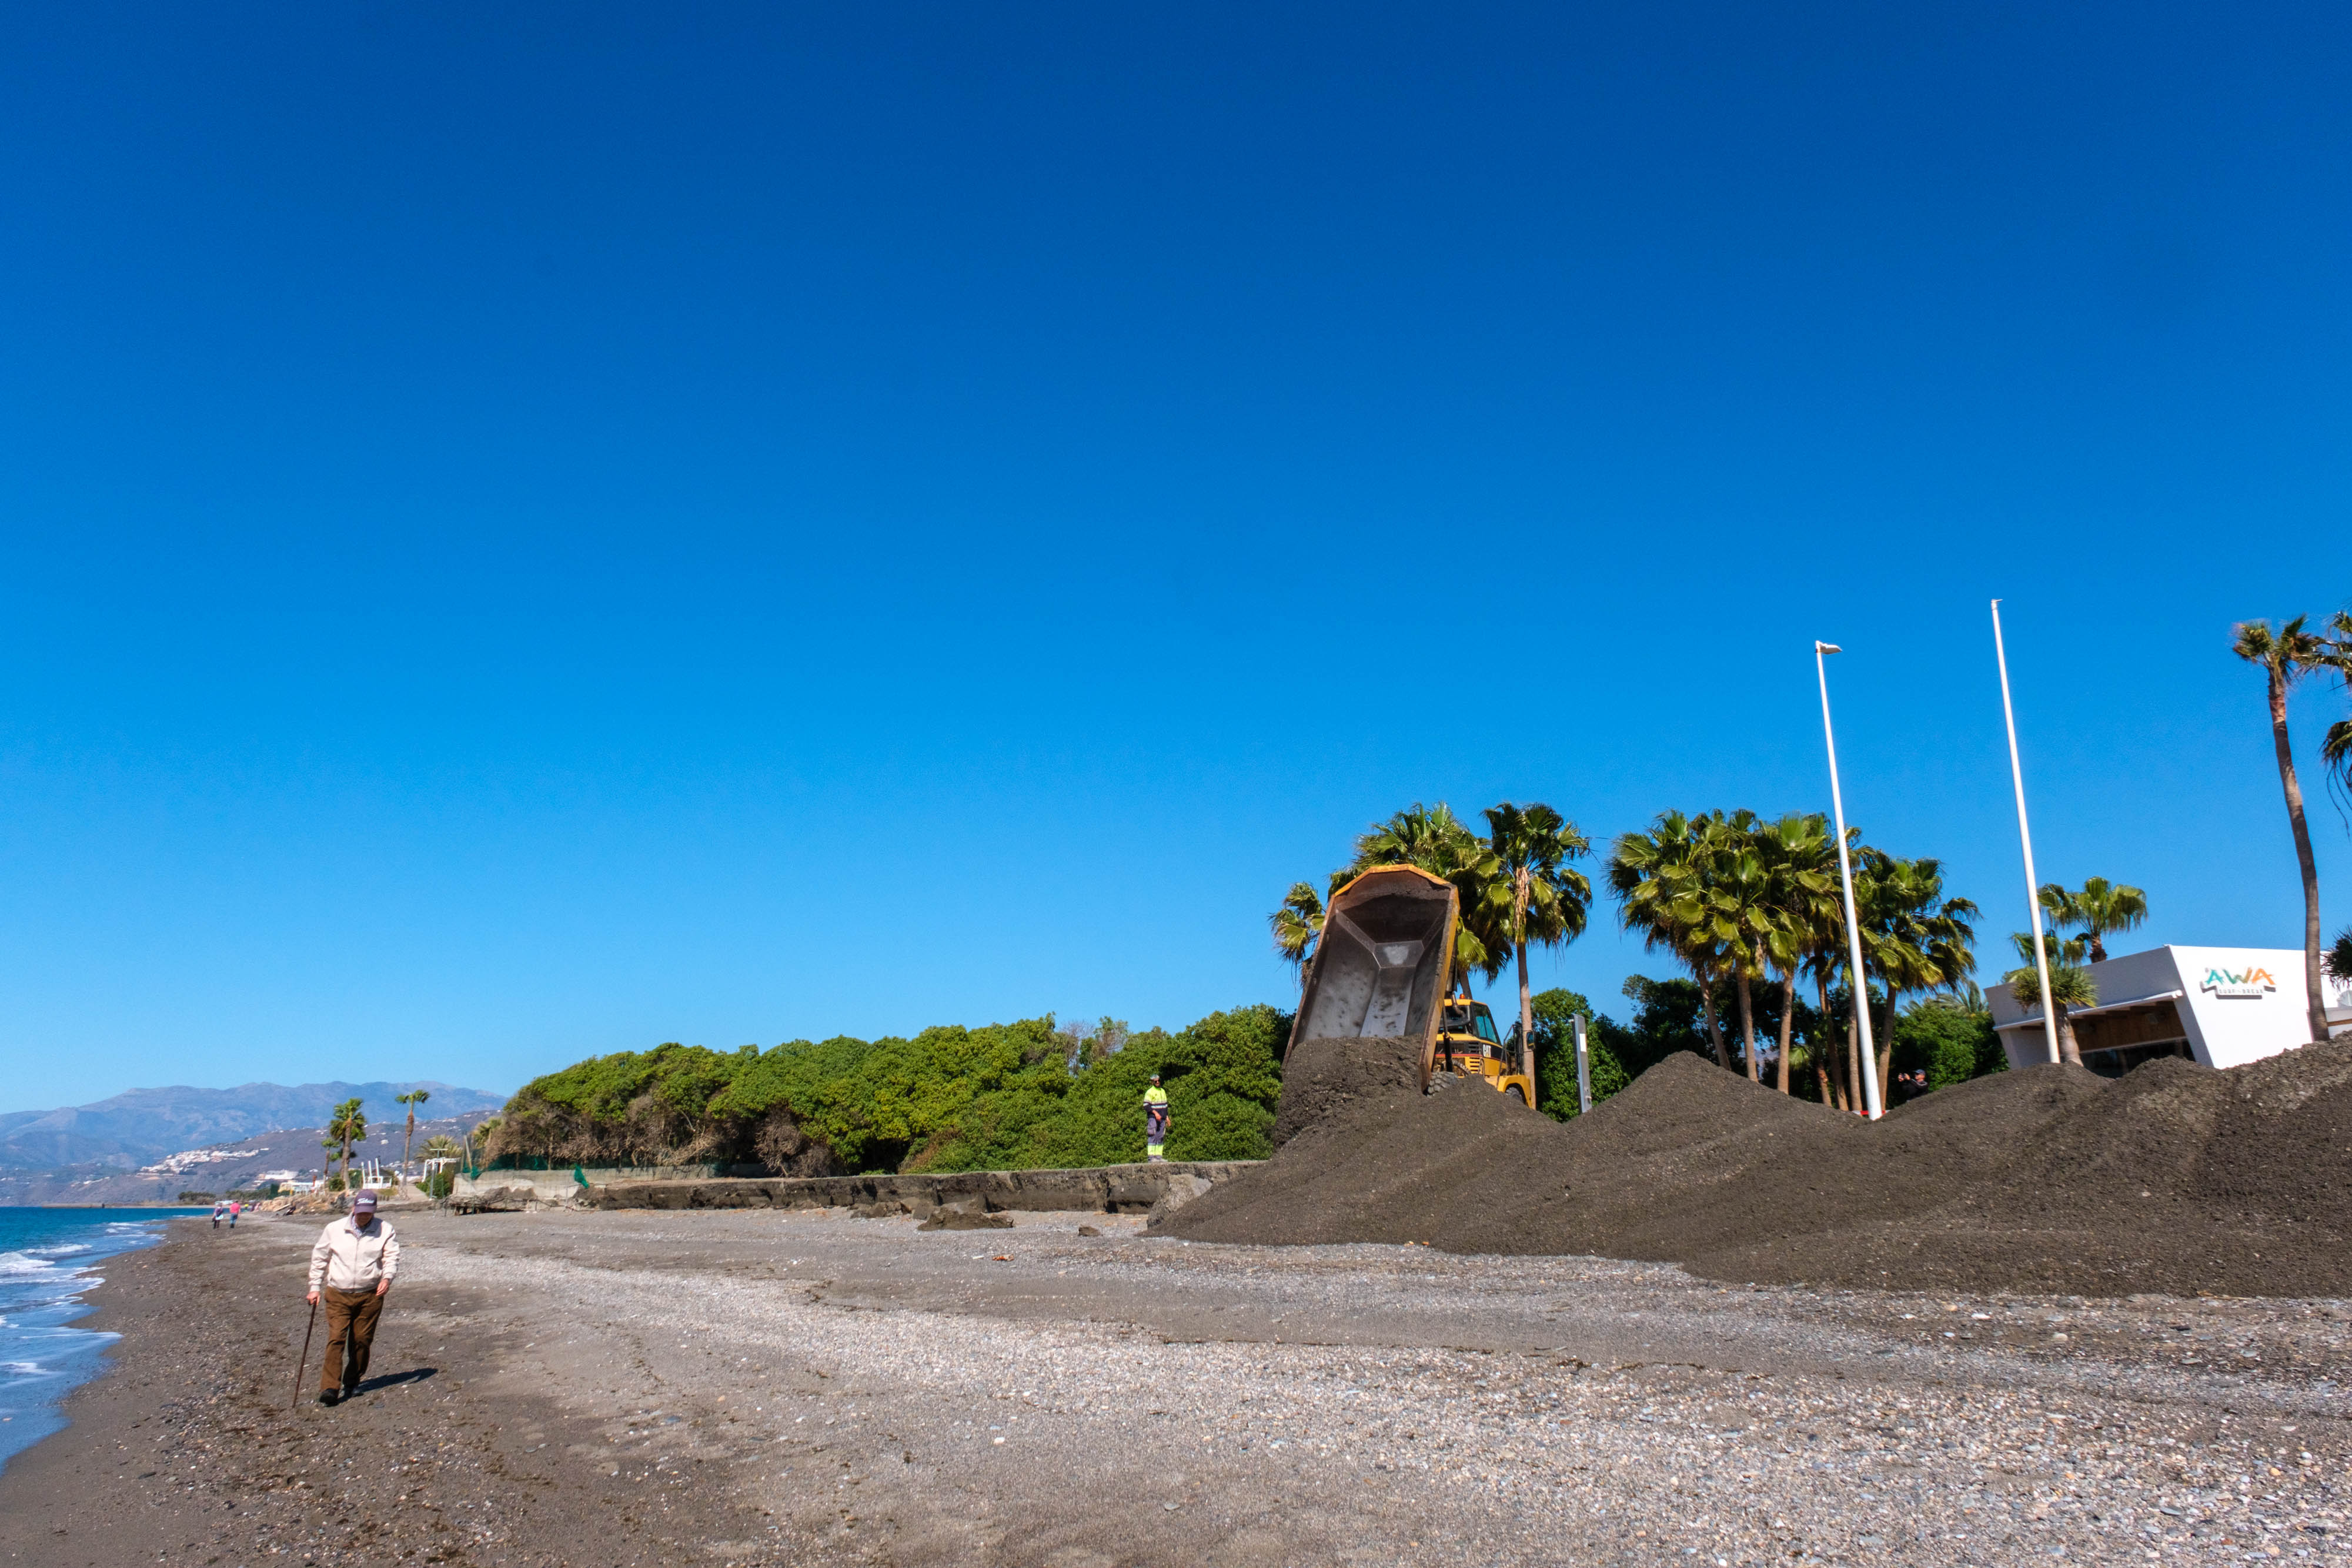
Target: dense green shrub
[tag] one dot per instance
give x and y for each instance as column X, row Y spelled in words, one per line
column 1669, row 1016
column 1222, row 1080
column 1003, row 1096
column 1604, row 1041
column 1953, row 1043
column 630, row 1107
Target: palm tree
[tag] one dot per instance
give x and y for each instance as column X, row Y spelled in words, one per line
column 479, row 1140
column 1738, row 913
column 2284, row 656
column 1550, row 899
column 1800, row 880
column 2338, row 961
column 1826, row 959
column 2066, row 956
column 439, row 1146
column 1657, row 878
column 1915, row 937
column 2073, row 952
column 2336, row 746
column 412, row 1099
column 1433, row 839
column 2336, row 750
column 2071, row 986
column 346, row 1126
column 2099, row 908
column 1298, row 924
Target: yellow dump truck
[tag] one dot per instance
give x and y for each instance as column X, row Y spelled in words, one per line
column 1380, row 972
column 1467, row 1043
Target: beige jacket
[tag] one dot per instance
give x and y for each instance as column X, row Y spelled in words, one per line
column 347, row 1259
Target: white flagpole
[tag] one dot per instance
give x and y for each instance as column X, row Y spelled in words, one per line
column 2025, row 837
column 1869, row 1048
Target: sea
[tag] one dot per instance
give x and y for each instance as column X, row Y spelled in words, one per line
column 49, row 1258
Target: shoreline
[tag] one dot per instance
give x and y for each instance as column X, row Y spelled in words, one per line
column 51, row 1263
column 764, row 1387
column 189, row 1447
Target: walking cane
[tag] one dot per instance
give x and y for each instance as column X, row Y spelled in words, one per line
column 296, row 1402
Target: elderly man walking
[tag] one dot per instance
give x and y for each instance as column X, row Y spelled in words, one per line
column 351, row 1267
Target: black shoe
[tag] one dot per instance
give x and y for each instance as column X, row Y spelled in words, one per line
column 329, row 1396
column 351, row 1391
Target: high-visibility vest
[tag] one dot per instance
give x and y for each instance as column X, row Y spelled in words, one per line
column 1155, row 1095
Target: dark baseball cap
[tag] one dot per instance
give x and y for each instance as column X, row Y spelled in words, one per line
column 363, row 1204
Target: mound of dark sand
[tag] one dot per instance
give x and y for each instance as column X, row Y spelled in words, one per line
column 2174, row 1178
column 1323, row 1077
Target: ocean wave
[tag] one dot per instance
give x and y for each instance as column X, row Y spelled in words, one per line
column 22, row 1368
column 24, row 1263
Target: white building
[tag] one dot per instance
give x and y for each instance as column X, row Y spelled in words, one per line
column 2223, row 1006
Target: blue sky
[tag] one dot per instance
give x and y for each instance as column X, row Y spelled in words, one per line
column 538, row 533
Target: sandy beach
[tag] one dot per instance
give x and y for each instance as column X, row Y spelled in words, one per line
column 764, row 1387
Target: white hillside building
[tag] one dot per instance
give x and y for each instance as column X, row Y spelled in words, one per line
column 2223, row 1006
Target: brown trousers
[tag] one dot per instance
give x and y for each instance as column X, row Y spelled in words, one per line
column 351, row 1330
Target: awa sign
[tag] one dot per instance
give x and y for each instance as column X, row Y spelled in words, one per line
column 2246, row 985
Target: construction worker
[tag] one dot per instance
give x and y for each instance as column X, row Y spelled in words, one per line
column 351, row 1267
column 1155, row 1120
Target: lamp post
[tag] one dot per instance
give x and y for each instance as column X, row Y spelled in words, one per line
column 2025, row 837
column 1869, row 1048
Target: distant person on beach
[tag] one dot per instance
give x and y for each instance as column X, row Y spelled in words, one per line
column 351, row 1266
column 1155, row 1120
column 234, row 1208
column 219, row 1209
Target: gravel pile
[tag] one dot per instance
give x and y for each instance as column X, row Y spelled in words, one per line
column 2174, row 1178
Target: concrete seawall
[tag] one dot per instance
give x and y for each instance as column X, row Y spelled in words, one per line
column 560, row 1187
column 1101, row 1189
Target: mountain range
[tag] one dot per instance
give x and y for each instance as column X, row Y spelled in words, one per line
column 142, row 1125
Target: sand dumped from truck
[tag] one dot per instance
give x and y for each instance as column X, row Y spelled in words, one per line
column 2175, row 1179
column 1325, row 1077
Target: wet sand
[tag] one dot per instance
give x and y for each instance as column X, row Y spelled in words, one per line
column 771, row 1387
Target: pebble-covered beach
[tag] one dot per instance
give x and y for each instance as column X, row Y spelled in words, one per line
column 760, row 1388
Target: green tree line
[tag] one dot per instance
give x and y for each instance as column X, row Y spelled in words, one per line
column 1023, row 1096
